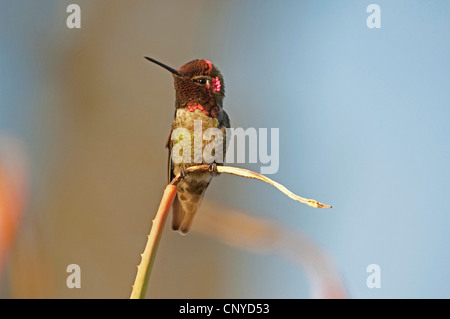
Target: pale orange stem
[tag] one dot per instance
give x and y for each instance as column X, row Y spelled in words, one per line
column 149, row 254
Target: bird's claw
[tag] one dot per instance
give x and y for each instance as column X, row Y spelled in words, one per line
column 213, row 169
column 183, row 171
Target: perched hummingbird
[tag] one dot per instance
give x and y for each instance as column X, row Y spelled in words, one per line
column 199, row 95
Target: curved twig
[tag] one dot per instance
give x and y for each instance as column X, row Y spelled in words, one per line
column 250, row 174
column 149, row 254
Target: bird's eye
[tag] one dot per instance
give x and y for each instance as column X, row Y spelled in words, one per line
column 201, row 81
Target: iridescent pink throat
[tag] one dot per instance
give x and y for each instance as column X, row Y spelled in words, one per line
column 195, row 106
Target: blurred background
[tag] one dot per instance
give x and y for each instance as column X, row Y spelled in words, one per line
column 363, row 117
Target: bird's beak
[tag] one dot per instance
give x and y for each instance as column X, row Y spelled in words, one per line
column 165, row 66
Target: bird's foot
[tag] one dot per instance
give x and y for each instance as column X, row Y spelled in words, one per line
column 213, row 169
column 183, row 171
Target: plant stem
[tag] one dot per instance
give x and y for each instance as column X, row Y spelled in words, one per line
column 149, row 254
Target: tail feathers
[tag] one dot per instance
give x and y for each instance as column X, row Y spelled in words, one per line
column 184, row 212
column 187, row 222
column 177, row 214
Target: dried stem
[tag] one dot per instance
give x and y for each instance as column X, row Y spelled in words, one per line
column 149, row 254
column 250, row 174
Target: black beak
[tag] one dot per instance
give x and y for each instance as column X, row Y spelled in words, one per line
column 165, row 66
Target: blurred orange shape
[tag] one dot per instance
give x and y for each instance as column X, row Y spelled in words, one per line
column 11, row 193
column 241, row 230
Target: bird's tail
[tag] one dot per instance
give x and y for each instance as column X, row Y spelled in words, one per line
column 184, row 212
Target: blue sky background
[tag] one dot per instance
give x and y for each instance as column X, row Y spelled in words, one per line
column 363, row 117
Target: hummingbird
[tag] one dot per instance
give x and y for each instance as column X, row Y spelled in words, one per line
column 199, row 93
